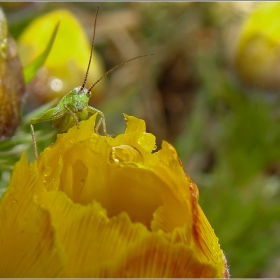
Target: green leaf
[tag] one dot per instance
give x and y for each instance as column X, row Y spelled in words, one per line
column 31, row 69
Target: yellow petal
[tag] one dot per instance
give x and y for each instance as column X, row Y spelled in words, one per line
column 29, row 246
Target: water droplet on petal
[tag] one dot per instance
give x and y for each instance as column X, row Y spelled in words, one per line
column 47, row 171
column 69, row 143
column 124, row 154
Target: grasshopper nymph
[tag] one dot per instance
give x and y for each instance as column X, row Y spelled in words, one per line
column 74, row 105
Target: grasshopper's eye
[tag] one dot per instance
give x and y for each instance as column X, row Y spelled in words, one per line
column 82, row 91
column 78, row 90
column 88, row 93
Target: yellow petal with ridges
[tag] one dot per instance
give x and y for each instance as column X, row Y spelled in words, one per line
column 29, row 246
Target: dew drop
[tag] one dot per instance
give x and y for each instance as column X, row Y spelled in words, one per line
column 69, row 143
column 47, row 171
column 125, row 153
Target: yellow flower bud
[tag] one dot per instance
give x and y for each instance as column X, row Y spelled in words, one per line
column 12, row 86
column 258, row 48
column 97, row 206
column 67, row 62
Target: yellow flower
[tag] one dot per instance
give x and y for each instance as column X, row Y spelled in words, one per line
column 96, row 206
column 67, row 62
column 257, row 50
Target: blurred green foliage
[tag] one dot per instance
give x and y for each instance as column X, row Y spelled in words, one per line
column 227, row 134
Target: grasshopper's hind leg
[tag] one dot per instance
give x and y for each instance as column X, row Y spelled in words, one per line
column 34, row 140
column 50, row 115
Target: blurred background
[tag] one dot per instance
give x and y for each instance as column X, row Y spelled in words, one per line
column 212, row 90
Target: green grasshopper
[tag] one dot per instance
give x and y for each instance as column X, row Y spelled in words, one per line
column 74, row 105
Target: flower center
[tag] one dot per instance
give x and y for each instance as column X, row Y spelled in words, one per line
column 116, row 177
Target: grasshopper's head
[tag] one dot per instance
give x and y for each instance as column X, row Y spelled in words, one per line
column 82, row 91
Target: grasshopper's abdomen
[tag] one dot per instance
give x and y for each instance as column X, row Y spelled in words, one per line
column 64, row 123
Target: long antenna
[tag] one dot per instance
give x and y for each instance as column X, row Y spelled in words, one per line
column 114, row 68
column 91, row 51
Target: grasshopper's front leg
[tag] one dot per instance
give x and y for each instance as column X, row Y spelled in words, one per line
column 101, row 120
column 72, row 114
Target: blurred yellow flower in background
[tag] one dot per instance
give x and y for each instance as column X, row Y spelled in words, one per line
column 96, row 206
column 66, row 65
column 257, row 55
